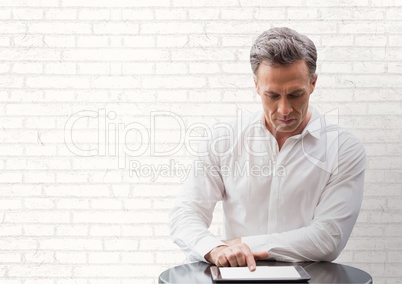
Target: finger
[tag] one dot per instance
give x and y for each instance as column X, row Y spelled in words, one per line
column 261, row 255
column 222, row 260
column 240, row 257
column 231, row 257
column 250, row 261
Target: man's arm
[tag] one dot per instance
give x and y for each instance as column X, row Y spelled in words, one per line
column 195, row 203
column 334, row 217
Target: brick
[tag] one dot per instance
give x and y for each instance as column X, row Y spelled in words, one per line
column 393, row 14
column 37, row 217
column 106, row 204
column 94, row 14
column 11, row 150
column 72, row 230
column 41, row 3
column 335, row 13
column 172, row 28
column 203, row 13
column 173, row 82
column 336, row 68
column 12, row 28
column 10, row 230
column 39, row 256
column 19, row 243
column 105, row 230
column 256, row 3
column 14, row 190
column 116, row 28
column 138, row 68
column 237, row 14
column 115, row 4
column 158, row 244
column 137, row 257
column 5, row 14
column 171, row 41
column 115, row 55
column 87, row 190
column 137, row 230
column 61, row 14
column 170, row 14
column 206, row 54
column 70, row 244
column 34, row 270
column 10, row 177
column 93, row 41
column 93, row 68
column 39, row 230
column 329, row 3
column 39, row 203
column 204, row 68
column 369, row 67
column 58, row 82
column 242, row 68
column 385, row 3
column 104, row 257
column 59, row 28
column 60, row 68
column 113, row 270
column 10, row 257
column 371, row 40
column 72, row 203
column 395, row 68
column 5, row 40
column 369, row 14
column 27, row 14
column 170, row 68
column 139, row 41
column 302, row 14
column 27, row 68
column 59, row 40
column 121, row 244
column 66, row 257
column 137, row 14
column 170, row 257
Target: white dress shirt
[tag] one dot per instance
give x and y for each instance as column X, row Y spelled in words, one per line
column 299, row 203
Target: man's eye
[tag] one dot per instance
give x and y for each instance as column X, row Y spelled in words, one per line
column 273, row 97
column 295, row 96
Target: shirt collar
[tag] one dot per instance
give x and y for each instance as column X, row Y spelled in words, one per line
column 314, row 126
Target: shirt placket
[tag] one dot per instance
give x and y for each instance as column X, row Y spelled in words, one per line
column 279, row 160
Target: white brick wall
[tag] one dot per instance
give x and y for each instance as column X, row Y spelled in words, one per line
column 90, row 219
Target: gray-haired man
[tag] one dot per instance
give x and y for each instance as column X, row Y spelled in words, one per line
column 305, row 213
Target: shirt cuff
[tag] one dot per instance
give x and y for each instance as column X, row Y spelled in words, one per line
column 205, row 245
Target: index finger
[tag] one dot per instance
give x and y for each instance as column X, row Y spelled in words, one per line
column 251, row 264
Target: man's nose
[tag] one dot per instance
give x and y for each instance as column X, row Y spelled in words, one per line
column 284, row 107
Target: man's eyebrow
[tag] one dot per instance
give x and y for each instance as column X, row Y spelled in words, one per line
column 277, row 94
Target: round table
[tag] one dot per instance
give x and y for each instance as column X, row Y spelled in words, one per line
column 320, row 272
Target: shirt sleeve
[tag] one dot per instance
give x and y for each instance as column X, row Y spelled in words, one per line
column 334, row 217
column 193, row 211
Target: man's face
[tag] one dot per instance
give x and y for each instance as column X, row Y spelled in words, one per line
column 285, row 92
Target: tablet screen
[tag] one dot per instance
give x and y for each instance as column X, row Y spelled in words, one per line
column 262, row 273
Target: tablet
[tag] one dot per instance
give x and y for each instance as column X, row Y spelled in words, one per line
column 261, row 274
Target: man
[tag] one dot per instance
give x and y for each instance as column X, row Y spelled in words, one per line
column 303, row 211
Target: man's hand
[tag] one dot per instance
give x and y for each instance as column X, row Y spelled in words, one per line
column 235, row 254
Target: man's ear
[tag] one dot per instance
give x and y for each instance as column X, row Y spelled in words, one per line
column 256, row 85
column 314, row 82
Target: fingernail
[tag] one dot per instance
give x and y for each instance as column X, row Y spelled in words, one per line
column 252, row 268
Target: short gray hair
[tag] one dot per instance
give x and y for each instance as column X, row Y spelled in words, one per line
column 283, row 46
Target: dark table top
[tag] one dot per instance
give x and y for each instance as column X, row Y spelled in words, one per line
column 320, row 272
